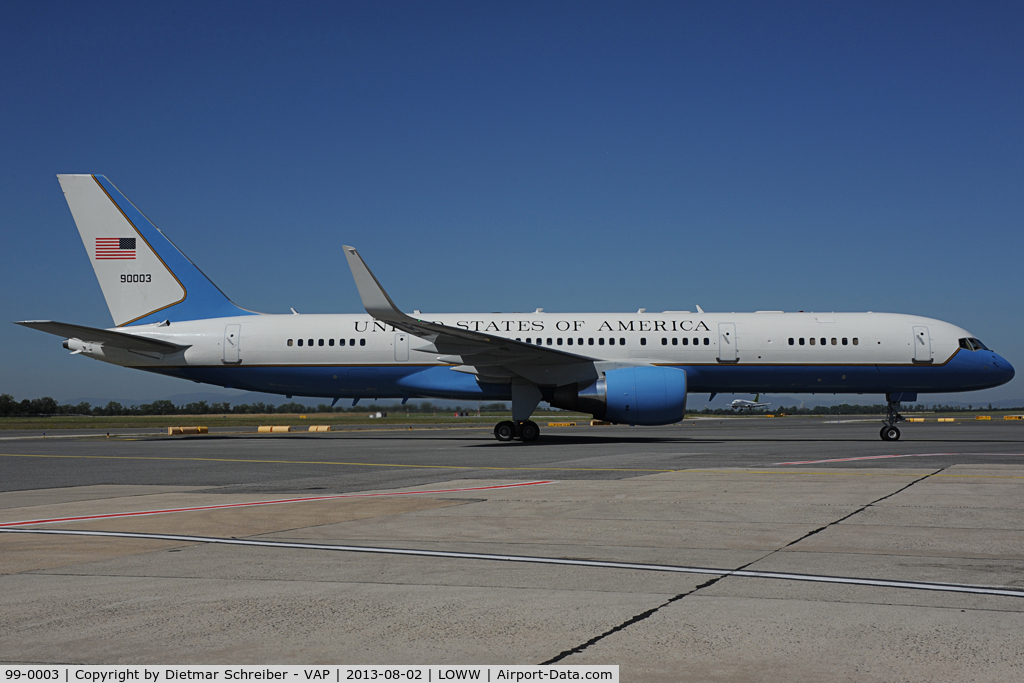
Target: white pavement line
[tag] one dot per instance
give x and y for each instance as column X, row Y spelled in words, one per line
column 255, row 503
column 40, row 437
column 882, row 457
column 746, row 573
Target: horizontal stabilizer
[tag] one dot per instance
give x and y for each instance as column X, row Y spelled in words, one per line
column 120, row 340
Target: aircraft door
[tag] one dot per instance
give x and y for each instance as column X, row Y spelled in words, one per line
column 232, row 344
column 727, row 350
column 922, row 345
column 401, row 346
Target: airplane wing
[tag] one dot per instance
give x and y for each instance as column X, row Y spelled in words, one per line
column 491, row 357
column 120, row 340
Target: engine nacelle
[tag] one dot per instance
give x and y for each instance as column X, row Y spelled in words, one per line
column 636, row 396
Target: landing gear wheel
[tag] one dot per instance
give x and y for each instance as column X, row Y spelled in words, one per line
column 890, row 434
column 504, row 431
column 529, row 431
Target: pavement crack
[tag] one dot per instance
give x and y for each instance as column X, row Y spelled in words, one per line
column 629, row 622
column 859, row 510
column 841, row 519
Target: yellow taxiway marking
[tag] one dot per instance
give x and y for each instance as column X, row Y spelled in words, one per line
column 491, row 467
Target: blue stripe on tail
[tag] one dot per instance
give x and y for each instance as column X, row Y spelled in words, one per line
column 203, row 299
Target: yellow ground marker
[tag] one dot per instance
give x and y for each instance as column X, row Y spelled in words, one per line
column 172, row 431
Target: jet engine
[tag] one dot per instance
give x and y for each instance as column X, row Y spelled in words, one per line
column 636, row 396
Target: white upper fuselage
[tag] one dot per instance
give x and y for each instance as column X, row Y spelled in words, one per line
column 671, row 338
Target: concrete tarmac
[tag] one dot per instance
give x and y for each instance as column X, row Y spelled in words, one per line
column 687, row 552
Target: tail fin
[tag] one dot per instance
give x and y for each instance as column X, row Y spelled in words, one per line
column 144, row 277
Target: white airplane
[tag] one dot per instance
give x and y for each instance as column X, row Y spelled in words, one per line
column 742, row 404
column 632, row 368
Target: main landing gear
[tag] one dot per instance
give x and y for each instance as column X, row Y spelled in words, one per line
column 524, row 430
column 890, row 432
column 525, row 397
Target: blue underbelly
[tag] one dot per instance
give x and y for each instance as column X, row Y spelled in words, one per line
column 965, row 371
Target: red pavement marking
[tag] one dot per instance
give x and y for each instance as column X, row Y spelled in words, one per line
column 265, row 502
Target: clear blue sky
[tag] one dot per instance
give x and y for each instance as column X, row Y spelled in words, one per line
column 505, row 156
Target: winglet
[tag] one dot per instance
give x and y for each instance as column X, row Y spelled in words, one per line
column 375, row 300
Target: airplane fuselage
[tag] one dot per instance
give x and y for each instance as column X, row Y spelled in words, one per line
column 355, row 356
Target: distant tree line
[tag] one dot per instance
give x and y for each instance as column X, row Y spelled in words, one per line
column 9, row 407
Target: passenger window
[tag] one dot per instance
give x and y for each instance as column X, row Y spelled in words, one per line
column 855, row 341
column 675, row 342
column 581, row 341
column 341, row 342
column 540, row 341
column 549, row 341
column 822, row 341
column 300, row 342
column 362, row 342
column 643, row 341
column 320, row 343
column 559, row 340
column 664, row 341
column 707, row 342
column 845, row 341
column 568, row 341
column 309, row 342
column 812, row 341
column 801, row 341
column 686, row 341
column 600, row 342
column 529, row 340
column 834, row 341
column 330, row 342
column 611, row 341
column 290, row 342
column 622, row 341
column 590, row 341
column 790, row 341
column 696, row 341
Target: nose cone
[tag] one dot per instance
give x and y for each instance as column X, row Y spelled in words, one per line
column 1001, row 368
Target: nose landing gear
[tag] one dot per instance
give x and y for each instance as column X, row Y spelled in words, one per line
column 525, row 430
column 890, row 432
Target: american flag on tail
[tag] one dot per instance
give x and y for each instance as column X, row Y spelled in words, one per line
column 111, row 248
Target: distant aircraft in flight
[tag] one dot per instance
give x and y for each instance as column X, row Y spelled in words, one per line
column 631, row 368
column 741, row 404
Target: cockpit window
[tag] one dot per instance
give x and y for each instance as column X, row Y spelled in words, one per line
column 972, row 344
